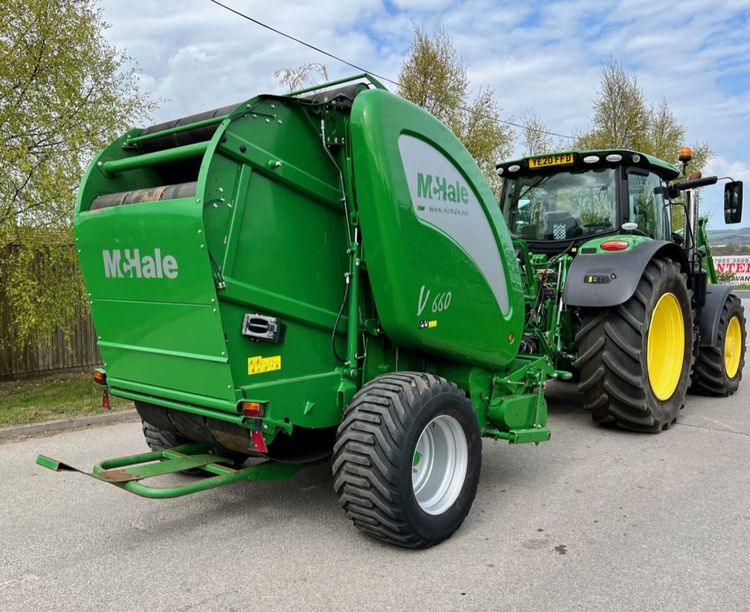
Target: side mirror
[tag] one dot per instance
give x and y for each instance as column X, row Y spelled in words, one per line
column 733, row 202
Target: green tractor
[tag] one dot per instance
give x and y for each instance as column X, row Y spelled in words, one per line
column 614, row 291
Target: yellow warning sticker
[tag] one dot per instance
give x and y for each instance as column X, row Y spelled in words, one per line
column 260, row 365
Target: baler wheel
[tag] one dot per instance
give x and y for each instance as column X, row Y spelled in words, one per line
column 407, row 459
column 718, row 369
column 635, row 358
column 160, row 439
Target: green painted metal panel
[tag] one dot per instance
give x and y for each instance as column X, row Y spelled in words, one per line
column 444, row 275
column 152, row 295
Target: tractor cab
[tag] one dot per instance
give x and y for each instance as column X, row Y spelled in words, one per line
column 552, row 201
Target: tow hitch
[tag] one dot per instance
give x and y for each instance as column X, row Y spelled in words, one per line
column 128, row 472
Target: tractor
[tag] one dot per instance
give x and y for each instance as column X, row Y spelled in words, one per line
column 619, row 282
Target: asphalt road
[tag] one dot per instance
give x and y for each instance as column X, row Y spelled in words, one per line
column 594, row 519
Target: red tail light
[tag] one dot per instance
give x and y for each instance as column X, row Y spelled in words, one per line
column 614, row 245
column 253, row 409
column 100, row 378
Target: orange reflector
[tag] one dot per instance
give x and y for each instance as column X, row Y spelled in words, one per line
column 614, row 245
column 252, row 409
column 100, row 377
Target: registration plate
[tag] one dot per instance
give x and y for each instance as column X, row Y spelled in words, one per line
column 561, row 159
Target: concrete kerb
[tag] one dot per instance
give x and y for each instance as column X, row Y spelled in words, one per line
column 50, row 427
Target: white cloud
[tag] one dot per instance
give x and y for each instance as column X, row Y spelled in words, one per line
column 538, row 55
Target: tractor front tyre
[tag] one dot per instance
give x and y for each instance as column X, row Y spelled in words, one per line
column 635, row 358
column 718, row 368
column 407, row 459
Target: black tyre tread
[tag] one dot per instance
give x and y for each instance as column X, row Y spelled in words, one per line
column 709, row 376
column 365, row 455
column 159, row 439
column 610, row 354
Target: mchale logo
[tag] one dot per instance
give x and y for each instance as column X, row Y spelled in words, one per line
column 119, row 264
column 438, row 188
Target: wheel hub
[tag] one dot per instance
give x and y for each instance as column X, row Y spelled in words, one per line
column 439, row 464
column 666, row 347
column 732, row 347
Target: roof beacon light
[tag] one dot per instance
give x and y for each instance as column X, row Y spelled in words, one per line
column 685, row 155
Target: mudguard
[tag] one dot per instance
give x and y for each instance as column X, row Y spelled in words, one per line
column 615, row 275
column 716, row 295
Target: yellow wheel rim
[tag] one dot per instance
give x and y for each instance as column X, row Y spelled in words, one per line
column 732, row 347
column 666, row 347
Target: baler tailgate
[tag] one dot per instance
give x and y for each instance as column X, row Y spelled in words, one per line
column 127, row 472
column 154, row 299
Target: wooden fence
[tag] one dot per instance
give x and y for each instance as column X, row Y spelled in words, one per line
column 71, row 349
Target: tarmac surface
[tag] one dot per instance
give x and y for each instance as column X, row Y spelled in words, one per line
column 594, row 519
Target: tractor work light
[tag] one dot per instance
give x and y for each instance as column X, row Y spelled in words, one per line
column 614, row 245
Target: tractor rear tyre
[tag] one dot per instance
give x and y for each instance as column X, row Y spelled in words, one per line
column 407, row 459
column 635, row 358
column 718, row 369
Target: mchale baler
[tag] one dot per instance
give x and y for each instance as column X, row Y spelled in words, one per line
column 297, row 277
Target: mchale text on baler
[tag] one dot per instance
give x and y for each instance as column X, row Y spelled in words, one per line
column 295, row 277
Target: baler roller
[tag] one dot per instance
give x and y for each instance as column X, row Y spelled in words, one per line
column 153, row 194
column 183, row 131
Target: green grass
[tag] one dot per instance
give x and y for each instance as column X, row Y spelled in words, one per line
column 52, row 397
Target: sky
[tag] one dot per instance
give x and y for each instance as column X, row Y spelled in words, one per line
column 543, row 56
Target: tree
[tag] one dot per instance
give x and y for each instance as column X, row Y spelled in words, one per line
column 433, row 77
column 65, row 92
column 297, row 78
column 624, row 119
column 536, row 139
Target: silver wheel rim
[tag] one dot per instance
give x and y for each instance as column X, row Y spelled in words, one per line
column 439, row 464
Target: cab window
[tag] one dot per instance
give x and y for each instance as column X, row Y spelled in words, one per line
column 646, row 204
